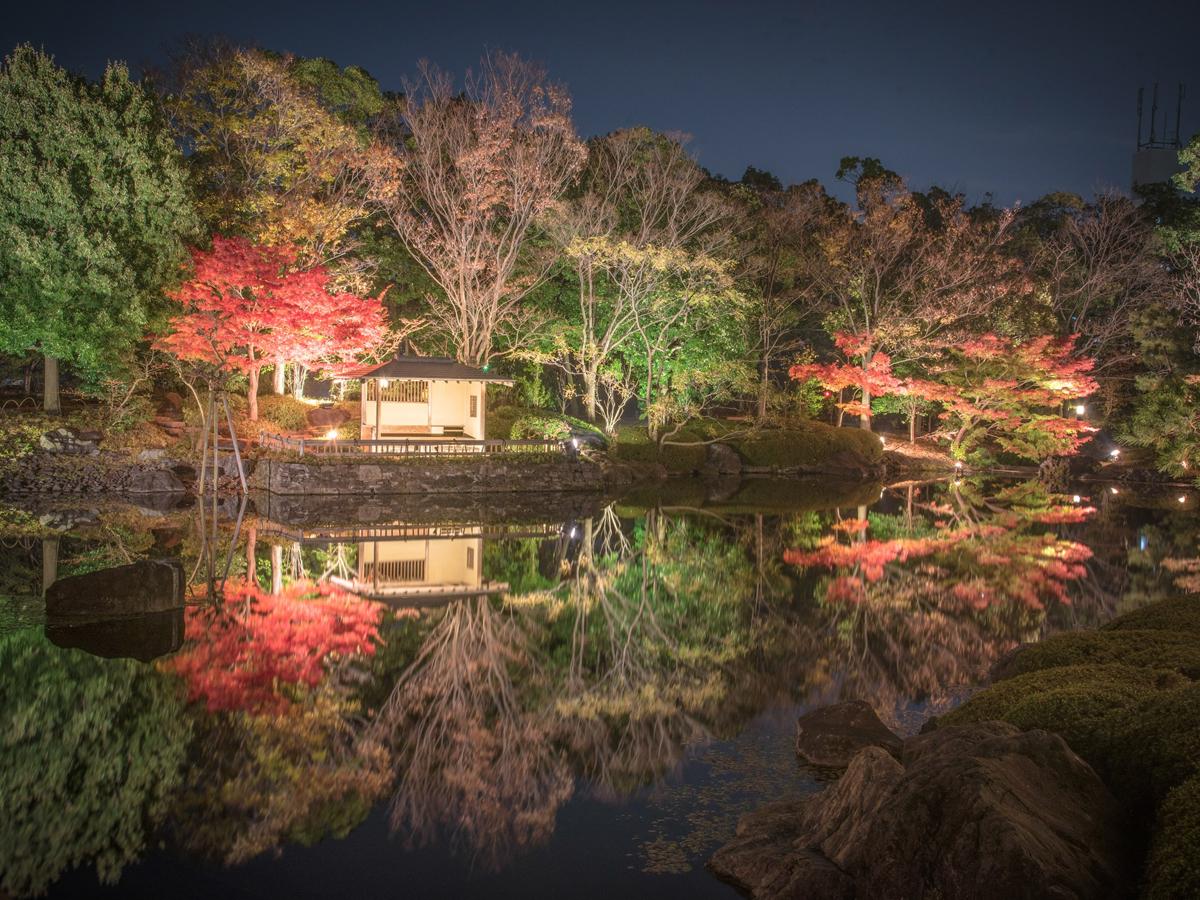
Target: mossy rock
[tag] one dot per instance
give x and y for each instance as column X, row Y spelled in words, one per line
column 1174, row 867
column 1086, row 704
column 1140, row 648
column 1180, row 614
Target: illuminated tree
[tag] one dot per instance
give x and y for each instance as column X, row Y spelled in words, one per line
column 479, row 172
column 643, row 236
column 1011, row 393
column 902, row 270
column 245, row 305
column 94, row 216
column 271, row 151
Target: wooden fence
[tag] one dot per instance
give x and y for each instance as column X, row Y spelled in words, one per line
column 408, row 447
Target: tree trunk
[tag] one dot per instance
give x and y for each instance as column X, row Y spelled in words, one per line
column 280, row 386
column 912, row 426
column 252, row 555
column 49, row 562
column 29, row 378
column 590, row 390
column 764, row 386
column 299, row 374
column 276, row 569
column 864, row 419
column 252, row 394
column 51, row 401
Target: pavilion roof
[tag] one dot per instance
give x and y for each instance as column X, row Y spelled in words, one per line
column 423, row 368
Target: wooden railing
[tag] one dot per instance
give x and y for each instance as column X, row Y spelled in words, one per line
column 403, row 446
column 350, row 534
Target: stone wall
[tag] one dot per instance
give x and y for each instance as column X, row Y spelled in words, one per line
column 435, row 476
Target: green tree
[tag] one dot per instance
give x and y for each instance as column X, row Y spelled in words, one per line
column 94, row 216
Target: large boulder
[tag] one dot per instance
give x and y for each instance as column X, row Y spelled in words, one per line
column 833, row 735
column 146, row 586
column 721, row 459
column 981, row 811
column 327, row 416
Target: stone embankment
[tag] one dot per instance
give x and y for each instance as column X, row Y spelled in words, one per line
column 449, row 475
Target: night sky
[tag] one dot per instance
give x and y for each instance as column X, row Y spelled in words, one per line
column 1011, row 98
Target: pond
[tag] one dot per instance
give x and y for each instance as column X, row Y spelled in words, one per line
column 528, row 696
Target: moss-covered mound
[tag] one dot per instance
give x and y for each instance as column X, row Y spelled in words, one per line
column 1085, row 704
column 1127, row 699
column 1140, row 648
column 814, row 444
column 1174, row 867
column 804, row 445
column 1180, row 614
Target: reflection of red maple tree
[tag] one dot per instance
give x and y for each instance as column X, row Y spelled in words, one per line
column 982, row 563
column 244, row 654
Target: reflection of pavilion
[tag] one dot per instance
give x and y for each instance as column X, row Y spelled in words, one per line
column 416, row 562
column 415, row 567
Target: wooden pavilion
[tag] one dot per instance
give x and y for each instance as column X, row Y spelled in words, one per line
column 423, row 395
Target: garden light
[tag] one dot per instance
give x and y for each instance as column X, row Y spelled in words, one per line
column 1114, row 490
column 1183, row 498
column 331, row 434
column 1076, row 499
column 958, row 464
column 1080, row 409
column 1114, row 453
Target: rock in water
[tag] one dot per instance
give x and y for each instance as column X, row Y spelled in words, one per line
column 979, row 812
column 143, row 638
column 146, row 586
column 832, row 735
column 153, row 481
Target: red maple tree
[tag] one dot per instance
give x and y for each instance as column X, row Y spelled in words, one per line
column 867, row 376
column 247, row 304
column 989, row 387
column 248, row 651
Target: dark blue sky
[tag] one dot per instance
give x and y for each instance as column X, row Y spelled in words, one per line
column 1015, row 98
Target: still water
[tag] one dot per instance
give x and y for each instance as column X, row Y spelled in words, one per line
column 522, row 696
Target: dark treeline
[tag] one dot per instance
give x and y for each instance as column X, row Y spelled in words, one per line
column 240, row 207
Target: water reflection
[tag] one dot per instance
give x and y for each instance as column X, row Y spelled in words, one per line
column 473, row 669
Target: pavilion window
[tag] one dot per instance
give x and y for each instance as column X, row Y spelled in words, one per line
column 400, row 391
column 474, row 406
column 396, row 570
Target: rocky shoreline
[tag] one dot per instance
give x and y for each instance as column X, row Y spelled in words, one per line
column 1038, row 786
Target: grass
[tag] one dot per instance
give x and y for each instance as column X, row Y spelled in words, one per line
column 1125, row 698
